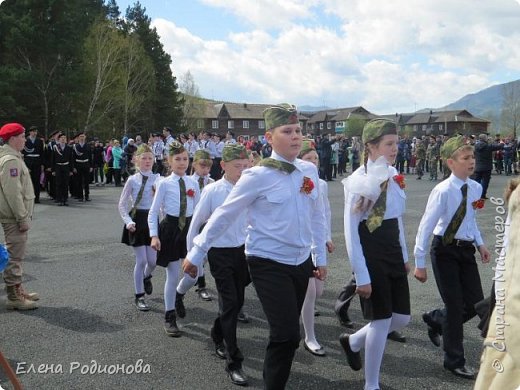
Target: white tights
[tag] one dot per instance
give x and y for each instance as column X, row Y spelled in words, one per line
column 145, row 259
column 172, row 277
column 314, row 290
column 373, row 337
column 188, row 282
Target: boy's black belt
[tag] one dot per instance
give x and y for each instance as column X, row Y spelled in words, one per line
column 456, row 242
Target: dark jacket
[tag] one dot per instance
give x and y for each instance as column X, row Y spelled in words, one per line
column 484, row 155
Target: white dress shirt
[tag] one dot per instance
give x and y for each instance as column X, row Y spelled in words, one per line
column 219, row 148
column 209, row 146
column 130, row 191
column 167, row 199
column 212, row 197
column 378, row 172
column 442, row 204
column 207, row 179
column 191, row 147
column 167, row 143
column 324, row 194
column 283, row 221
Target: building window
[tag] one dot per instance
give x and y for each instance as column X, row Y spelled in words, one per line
column 424, row 127
column 200, row 123
column 415, row 128
column 329, row 125
column 321, row 126
column 230, row 124
column 214, row 124
column 441, row 127
column 261, row 124
column 245, row 124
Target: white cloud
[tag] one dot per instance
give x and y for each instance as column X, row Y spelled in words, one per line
column 386, row 56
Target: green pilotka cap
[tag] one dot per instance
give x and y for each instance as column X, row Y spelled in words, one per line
column 307, row 146
column 279, row 115
column 234, row 152
column 453, row 144
column 377, row 128
column 176, row 148
column 201, row 154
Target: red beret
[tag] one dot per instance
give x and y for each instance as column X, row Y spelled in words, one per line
column 10, row 130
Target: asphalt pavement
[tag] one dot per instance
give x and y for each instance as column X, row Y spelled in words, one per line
column 87, row 334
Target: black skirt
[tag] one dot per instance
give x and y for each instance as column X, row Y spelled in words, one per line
column 389, row 280
column 141, row 236
column 173, row 240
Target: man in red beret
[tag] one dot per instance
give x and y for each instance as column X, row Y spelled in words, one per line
column 16, row 209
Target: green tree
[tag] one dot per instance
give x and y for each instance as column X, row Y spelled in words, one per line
column 41, row 58
column 103, row 60
column 166, row 105
column 138, row 81
column 354, row 126
column 194, row 106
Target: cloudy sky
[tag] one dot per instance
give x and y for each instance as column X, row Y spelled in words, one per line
column 388, row 56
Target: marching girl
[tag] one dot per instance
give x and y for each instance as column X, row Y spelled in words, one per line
column 175, row 197
column 138, row 191
column 315, row 286
column 374, row 235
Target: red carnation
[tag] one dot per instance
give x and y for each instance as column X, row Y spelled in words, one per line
column 478, row 204
column 190, row 193
column 399, row 179
column 307, row 186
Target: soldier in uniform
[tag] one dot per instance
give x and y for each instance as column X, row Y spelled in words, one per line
column 420, row 156
column 16, row 208
column 50, row 179
column 33, row 157
column 82, row 167
column 433, row 153
column 62, row 166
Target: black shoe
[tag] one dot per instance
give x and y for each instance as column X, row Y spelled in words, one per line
column 204, row 294
column 61, row 204
column 237, row 376
column 65, row 204
column 353, row 358
column 463, row 372
column 344, row 320
column 433, row 334
column 141, row 304
column 396, row 336
column 170, row 324
column 87, row 199
column 148, row 287
column 36, row 200
column 81, row 200
column 316, row 313
column 317, row 352
column 179, row 305
column 220, row 350
column 243, row 317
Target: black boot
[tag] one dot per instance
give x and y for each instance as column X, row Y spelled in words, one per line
column 201, row 289
column 140, row 303
column 148, row 287
column 170, row 324
column 179, row 305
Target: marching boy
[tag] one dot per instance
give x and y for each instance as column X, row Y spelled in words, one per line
column 281, row 197
column 227, row 259
column 450, row 216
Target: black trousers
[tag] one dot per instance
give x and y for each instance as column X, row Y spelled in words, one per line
column 216, row 170
column 458, row 281
column 228, row 267
column 83, row 180
column 483, row 177
column 281, row 289
column 35, row 170
column 345, row 298
column 62, row 182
